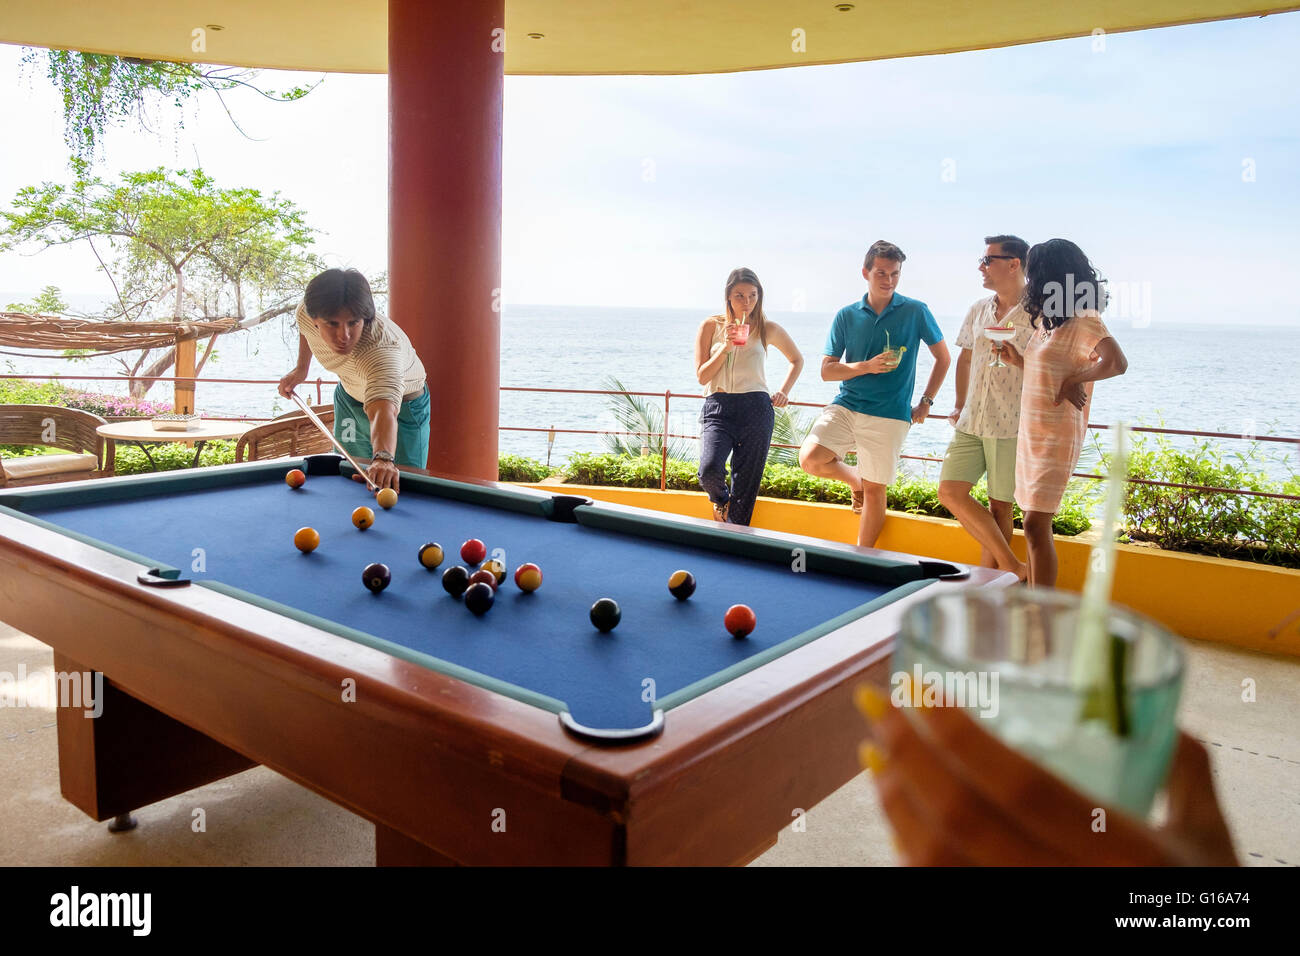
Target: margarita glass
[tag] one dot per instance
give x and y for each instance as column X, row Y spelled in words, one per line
column 999, row 334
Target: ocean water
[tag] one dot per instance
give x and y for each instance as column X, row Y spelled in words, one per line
column 1198, row 377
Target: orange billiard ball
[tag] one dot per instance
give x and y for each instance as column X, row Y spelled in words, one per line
column 528, row 577
column 363, row 518
column 740, row 620
column 306, row 540
column 295, row 478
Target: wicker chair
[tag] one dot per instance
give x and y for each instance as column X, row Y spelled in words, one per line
column 287, row 436
column 73, row 430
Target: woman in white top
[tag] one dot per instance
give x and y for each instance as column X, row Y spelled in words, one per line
column 737, row 418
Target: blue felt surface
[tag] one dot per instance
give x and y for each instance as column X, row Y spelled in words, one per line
column 543, row 642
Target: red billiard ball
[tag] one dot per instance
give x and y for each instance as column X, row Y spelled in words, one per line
column 473, row 551
column 295, row 478
column 740, row 620
column 484, row 576
column 528, row 577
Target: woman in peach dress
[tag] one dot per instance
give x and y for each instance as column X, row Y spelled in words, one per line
column 1064, row 297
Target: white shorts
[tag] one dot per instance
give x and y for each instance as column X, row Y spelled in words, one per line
column 878, row 441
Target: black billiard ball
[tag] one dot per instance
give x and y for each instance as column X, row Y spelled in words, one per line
column 484, row 576
column 431, row 555
column 376, row 576
column 681, row 584
column 740, row 620
column 606, row 614
column 455, row 580
column 479, row 597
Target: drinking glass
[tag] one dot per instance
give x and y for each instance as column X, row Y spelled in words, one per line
column 1009, row 657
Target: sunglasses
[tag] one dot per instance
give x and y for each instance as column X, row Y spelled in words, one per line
column 987, row 260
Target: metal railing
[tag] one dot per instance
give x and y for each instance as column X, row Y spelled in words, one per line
column 664, row 434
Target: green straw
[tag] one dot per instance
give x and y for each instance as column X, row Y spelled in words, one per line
column 1100, row 658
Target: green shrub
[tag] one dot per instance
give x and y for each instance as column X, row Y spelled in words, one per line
column 171, row 456
column 909, row 494
column 519, row 468
column 1244, row 527
column 17, row 392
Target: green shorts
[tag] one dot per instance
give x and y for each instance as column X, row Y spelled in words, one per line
column 352, row 428
column 970, row 457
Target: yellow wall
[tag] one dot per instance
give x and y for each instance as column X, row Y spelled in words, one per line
column 1209, row 599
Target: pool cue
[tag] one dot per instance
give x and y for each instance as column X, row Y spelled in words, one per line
column 329, row 433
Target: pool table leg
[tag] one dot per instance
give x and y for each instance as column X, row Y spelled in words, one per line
column 132, row 755
column 396, row 849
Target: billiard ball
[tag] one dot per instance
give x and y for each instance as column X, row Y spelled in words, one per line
column 295, row 478
column 740, row 620
column 484, row 576
column 479, row 597
column 376, row 576
column 363, row 518
column 497, row 568
column 473, row 551
column 386, row 498
column 431, row 555
column 306, row 540
column 528, row 577
column 681, row 584
column 455, row 580
column 606, row 614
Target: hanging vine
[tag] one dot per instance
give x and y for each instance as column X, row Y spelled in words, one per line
column 100, row 91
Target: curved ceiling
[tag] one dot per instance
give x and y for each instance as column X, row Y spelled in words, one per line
column 592, row 36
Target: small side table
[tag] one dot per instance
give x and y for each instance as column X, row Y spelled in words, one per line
column 142, row 431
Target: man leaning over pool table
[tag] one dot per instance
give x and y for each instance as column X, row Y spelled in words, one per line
column 381, row 404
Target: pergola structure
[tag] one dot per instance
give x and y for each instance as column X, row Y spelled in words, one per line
column 446, row 60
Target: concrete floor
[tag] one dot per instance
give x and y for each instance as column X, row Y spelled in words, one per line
column 259, row 818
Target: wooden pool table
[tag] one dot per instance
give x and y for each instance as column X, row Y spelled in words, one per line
column 520, row 736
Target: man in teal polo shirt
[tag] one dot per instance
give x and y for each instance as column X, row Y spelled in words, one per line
column 871, row 351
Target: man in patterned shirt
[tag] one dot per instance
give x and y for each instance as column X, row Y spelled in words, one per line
column 987, row 416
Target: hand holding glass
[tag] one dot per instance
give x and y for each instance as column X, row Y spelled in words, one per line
column 999, row 334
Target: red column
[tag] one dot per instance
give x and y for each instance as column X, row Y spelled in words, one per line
column 445, row 83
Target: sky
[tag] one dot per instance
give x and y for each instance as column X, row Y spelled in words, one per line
column 1171, row 156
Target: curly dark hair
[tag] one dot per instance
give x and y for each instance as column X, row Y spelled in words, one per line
column 1060, row 282
column 338, row 290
